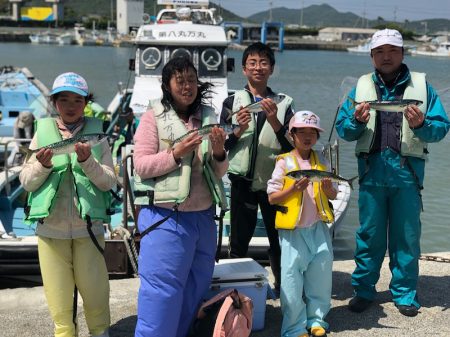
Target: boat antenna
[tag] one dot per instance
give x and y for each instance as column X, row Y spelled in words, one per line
column 346, row 85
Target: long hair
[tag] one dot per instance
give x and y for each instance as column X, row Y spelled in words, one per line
column 181, row 65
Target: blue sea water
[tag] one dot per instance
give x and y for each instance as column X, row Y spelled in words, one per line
column 317, row 80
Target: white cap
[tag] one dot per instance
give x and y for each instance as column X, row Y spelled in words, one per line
column 386, row 36
column 305, row 119
column 70, row 82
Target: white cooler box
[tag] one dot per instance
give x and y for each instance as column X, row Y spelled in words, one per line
column 248, row 277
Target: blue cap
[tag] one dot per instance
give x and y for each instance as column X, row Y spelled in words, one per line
column 70, row 82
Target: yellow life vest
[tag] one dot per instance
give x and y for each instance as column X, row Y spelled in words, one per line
column 290, row 210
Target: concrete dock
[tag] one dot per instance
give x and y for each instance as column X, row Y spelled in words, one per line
column 23, row 311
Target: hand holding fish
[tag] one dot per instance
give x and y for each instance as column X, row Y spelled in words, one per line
column 362, row 112
column 44, row 156
column 328, row 189
column 301, row 184
column 243, row 117
column 83, row 151
column 414, row 116
column 187, row 145
column 217, row 138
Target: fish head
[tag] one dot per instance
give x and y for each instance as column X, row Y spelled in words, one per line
column 277, row 98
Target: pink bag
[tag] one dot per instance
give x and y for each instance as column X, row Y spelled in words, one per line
column 228, row 314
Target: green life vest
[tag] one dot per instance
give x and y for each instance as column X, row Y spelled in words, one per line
column 175, row 186
column 411, row 145
column 92, row 201
column 268, row 146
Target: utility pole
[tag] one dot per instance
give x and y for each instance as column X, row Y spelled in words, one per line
column 112, row 10
column 395, row 14
column 301, row 14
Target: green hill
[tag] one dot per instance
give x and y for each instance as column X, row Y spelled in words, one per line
column 313, row 16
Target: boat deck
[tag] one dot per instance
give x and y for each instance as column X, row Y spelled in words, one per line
column 25, row 309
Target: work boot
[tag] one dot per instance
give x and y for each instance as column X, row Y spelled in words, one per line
column 275, row 265
column 359, row 304
column 318, row 331
column 407, row 310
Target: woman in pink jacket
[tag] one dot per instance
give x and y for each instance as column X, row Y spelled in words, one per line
column 177, row 167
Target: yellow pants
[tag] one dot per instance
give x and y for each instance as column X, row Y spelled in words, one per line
column 66, row 263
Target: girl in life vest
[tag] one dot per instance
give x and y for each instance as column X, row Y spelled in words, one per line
column 305, row 240
column 69, row 200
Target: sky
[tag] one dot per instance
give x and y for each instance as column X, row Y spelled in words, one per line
column 400, row 10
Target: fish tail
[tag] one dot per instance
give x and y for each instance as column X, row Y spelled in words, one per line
column 168, row 142
column 354, row 103
column 350, row 181
column 230, row 114
column 26, row 151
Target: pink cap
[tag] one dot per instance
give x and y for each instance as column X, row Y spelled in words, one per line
column 305, row 119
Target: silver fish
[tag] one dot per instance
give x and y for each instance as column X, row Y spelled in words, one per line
column 317, row 175
column 204, row 131
column 67, row 146
column 256, row 107
column 398, row 105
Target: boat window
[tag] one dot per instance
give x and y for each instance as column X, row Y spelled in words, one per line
column 211, row 59
column 211, row 62
column 151, row 57
column 149, row 60
column 181, row 52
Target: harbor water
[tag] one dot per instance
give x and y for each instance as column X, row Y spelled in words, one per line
column 317, row 80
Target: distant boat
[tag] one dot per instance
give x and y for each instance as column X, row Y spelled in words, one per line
column 442, row 50
column 52, row 38
column 360, row 49
column 44, row 38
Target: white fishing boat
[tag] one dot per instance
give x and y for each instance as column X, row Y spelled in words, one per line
column 441, row 50
column 360, row 49
column 190, row 31
column 44, row 38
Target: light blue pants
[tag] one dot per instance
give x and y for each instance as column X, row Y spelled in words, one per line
column 390, row 218
column 176, row 263
column 306, row 273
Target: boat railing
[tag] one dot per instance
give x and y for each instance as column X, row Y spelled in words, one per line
column 331, row 153
column 6, row 166
column 127, row 191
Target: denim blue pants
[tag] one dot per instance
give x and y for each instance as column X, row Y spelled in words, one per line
column 176, row 263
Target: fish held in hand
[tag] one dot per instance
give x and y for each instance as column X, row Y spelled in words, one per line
column 67, row 146
column 398, row 105
column 204, row 131
column 256, row 107
column 317, row 176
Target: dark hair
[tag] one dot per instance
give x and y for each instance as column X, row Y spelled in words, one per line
column 181, row 65
column 261, row 49
column 89, row 97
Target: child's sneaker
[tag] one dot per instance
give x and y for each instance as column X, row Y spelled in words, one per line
column 318, row 331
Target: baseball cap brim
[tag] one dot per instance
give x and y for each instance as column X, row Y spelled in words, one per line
column 71, row 89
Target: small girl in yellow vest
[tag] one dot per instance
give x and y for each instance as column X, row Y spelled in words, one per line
column 305, row 240
column 69, row 200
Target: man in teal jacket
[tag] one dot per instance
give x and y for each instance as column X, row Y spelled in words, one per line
column 391, row 149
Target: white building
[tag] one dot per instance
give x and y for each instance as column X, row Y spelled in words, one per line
column 345, row 34
column 129, row 15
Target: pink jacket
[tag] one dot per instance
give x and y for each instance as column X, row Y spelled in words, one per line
column 150, row 162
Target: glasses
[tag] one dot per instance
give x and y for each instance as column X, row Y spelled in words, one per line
column 253, row 65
